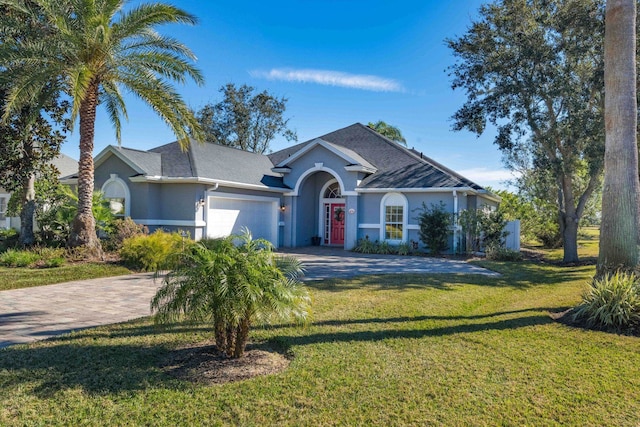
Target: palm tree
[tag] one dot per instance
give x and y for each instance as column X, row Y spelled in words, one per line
column 619, row 229
column 94, row 50
column 233, row 283
column 386, row 130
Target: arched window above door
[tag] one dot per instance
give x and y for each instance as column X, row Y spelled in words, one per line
column 333, row 191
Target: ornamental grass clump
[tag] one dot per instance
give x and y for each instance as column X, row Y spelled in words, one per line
column 153, row 252
column 611, row 303
column 233, row 283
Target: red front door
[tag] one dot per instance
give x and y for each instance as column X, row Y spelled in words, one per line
column 337, row 223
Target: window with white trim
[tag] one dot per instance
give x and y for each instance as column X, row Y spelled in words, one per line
column 393, row 222
column 394, row 217
column 4, row 201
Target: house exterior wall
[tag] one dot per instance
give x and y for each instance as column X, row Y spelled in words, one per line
column 329, row 160
column 370, row 209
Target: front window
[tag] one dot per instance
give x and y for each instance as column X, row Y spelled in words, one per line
column 393, row 213
column 3, row 208
column 394, row 220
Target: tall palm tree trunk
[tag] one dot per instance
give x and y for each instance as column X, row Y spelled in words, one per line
column 619, row 229
column 83, row 228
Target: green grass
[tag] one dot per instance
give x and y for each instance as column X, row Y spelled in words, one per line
column 587, row 246
column 382, row 350
column 16, row 278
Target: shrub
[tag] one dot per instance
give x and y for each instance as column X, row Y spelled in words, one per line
column 483, row 228
column 366, row 246
column 18, row 258
column 503, row 254
column 612, row 302
column 435, row 227
column 153, row 252
column 53, row 262
column 121, row 230
column 8, row 238
column 55, row 218
column 404, row 248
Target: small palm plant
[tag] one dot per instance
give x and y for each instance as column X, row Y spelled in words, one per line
column 233, row 283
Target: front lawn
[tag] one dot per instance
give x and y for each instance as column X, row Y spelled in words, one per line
column 385, row 350
column 16, row 278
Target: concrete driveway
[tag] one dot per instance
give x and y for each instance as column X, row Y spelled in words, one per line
column 41, row 312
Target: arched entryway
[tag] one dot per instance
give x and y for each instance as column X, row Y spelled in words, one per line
column 320, row 210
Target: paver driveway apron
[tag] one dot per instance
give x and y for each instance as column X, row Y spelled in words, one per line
column 41, row 312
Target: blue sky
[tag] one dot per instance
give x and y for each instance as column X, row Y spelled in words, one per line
column 338, row 62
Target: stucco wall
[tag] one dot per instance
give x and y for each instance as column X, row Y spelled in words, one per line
column 328, row 159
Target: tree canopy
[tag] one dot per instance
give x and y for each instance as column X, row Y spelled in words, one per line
column 386, row 130
column 534, row 71
column 93, row 50
column 245, row 119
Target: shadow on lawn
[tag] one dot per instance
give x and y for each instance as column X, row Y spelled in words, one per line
column 414, row 333
column 93, row 361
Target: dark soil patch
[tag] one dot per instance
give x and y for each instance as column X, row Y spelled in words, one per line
column 202, row 363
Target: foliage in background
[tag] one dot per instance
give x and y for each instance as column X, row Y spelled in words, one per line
column 233, row 286
column 538, row 218
column 535, row 71
column 611, row 302
column 30, row 137
column 245, row 120
column 483, row 228
column 435, row 227
column 55, row 218
column 154, row 252
column 388, row 131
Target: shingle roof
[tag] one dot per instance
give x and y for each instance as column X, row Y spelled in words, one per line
column 217, row 162
column 398, row 167
column 147, row 161
column 65, row 165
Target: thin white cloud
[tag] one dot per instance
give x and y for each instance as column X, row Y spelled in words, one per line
column 331, row 78
column 484, row 176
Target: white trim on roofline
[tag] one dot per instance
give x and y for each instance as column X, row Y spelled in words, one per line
column 102, row 156
column 318, row 142
column 360, row 168
column 171, row 222
column 483, row 193
column 199, row 180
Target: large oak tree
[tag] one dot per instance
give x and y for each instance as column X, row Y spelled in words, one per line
column 534, row 70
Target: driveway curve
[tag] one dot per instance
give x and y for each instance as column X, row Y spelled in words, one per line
column 42, row 312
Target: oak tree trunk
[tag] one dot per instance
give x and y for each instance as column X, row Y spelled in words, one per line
column 83, row 228
column 619, row 229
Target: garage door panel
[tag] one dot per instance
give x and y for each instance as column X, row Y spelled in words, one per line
column 228, row 216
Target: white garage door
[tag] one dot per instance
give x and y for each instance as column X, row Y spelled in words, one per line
column 228, row 215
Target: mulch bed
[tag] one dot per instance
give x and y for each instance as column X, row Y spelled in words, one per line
column 202, row 363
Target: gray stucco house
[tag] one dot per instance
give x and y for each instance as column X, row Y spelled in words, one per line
column 340, row 187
